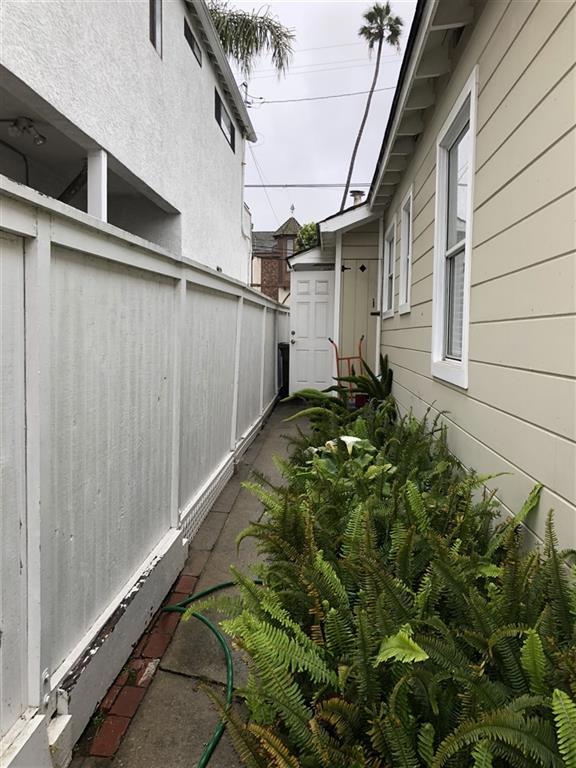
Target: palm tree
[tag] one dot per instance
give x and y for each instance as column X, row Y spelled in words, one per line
column 381, row 27
column 247, row 34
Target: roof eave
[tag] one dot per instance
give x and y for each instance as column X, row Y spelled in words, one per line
column 424, row 61
column 223, row 70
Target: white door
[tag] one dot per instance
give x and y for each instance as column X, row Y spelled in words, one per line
column 311, row 323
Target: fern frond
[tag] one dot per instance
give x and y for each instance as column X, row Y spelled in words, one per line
column 417, row 508
column 401, row 647
column 534, row 662
column 482, row 755
column 426, row 737
column 529, row 736
column 564, row 710
column 274, row 747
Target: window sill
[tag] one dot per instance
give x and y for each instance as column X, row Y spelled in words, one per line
column 451, row 371
column 387, row 314
column 404, row 309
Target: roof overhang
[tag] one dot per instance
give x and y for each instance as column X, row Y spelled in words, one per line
column 429, row 56
column 312, row 258
column 347, row 219
column 200, row 11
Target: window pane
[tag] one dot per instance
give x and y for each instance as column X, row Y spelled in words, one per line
column 454, row 305
column 406, row 248
column 389, row 294
column 458, row 181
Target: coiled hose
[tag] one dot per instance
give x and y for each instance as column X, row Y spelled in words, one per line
column 182, row 607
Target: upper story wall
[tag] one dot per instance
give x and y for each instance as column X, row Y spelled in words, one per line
column 155, row 115
column 518, row 413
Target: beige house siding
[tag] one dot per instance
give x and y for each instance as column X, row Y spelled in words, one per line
column 518, row 414
column 359, row 293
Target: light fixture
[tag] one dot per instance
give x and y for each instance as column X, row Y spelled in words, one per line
column 21, row 125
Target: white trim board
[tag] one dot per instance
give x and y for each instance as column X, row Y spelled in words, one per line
column 453, row 371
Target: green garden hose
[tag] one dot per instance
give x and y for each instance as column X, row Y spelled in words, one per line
column 181, row 607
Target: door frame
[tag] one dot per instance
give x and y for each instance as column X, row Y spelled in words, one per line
column 313, row 267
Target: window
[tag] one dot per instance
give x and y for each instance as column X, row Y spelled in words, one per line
column 389, row 259
column 453, row 240
column 405, row 255
column 192, row 42
column 224, row 120
column 156, row 24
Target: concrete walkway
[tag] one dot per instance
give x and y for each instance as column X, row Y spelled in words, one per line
column 176, row 720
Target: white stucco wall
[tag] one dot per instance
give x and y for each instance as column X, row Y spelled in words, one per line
column 94, row 63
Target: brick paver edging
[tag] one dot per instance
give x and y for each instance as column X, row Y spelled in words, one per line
column 126, row 693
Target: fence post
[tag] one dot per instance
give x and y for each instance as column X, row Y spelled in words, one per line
column 262, row 360
column 177, row 341
column 37, row 262
column 237, row 351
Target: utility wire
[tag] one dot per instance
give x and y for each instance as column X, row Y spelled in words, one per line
column 263, row 100
column 303, row 186
column 264, row 184
column 316, row 71
column 390, row 57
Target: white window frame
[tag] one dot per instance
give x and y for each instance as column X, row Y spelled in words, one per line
column 389, row 268
column 406, row 238
column 464, row 109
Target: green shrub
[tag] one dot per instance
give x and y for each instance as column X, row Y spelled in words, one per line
column 397, row 623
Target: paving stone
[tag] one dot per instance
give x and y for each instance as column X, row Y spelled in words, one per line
column 196, row 652
column 127, row 701
column 186, row 584
column 110, row 697
column 227, row 498
column 107, row 740
column 196, row 561
column 83, row 761
column 207, row 534
column 171, row 728
column 156, row 645
column 167, row 623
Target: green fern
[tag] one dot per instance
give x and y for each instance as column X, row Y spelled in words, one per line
column 564, row 710
column 482, row 755
column 534, row 662
column 401, row 647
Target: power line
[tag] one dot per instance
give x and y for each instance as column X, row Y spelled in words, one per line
column 302, row 186
column 262, row 180
column 329, row 69
column 320, row 98
column 323, row 47
column 390, row 57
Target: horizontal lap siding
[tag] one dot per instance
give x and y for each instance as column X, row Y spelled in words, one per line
column 12, row 484
column 359, row 292
column 207, row 394
column 519, row 412
column 111, row 433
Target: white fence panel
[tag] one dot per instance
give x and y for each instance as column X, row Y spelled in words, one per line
column 208, row 347
column 249, row 384
column 270, row 358
column 127, row 374
column 12, row 484
column 111, row 433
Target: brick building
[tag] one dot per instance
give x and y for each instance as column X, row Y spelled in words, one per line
column 270, row 251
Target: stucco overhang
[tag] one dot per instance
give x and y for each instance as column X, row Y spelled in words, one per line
column 428, row 59
column 230, row 89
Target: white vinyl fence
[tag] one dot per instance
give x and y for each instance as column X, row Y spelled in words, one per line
column 130, row 381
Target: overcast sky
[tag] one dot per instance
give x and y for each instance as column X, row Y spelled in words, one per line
column 311, row 141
